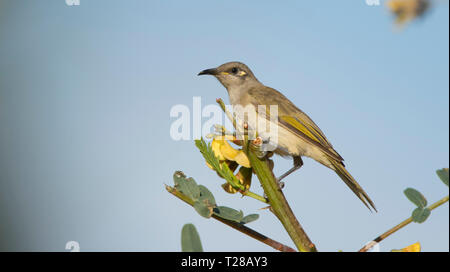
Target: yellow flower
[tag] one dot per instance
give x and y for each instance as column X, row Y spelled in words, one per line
column 215, row 146
column 407, row 10
column 228, row 151
column 412, row 248
column 245, row 178
column 224, row 151
column 233, row 158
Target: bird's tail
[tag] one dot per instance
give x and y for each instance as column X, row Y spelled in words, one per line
column 352, row 184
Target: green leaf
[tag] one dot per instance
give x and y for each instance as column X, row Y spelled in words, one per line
column 249, row 218
column 208, row 154
column 229, row 213
column 416, row 197
column 187, row 186
column 419, row 215
column 221, row 167
column 192, row 188
column 203, row 209
column 443, row 175
column 206, row 196
column 178, row 177
column 190, row 240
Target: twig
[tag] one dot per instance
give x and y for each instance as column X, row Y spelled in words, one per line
column 253, row 195
column 229, row 114
column 235, row 225
column 399, row 226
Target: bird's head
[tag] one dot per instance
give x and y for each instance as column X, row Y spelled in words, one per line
column 232, row 74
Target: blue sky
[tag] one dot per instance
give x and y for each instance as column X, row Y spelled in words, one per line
column 86, row 91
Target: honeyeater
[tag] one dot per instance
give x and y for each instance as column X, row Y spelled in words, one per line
column 296, row 134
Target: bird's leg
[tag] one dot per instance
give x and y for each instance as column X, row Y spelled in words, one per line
column 298, row 162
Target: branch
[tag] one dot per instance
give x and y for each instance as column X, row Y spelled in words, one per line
column 235, row 225
column 399, row 226
column 279, row 205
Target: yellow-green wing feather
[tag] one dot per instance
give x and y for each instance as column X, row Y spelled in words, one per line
column 309, row 134
column 352, row 184
column 295, row 120
column 292, row 118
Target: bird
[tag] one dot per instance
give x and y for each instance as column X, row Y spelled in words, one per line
column 297, row 134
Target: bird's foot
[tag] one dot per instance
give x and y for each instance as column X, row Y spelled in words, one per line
column 297, row 164
column 256, row 145
column 280, row 184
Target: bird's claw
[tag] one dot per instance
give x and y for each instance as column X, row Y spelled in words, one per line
column 280, row 184
column 256, row 145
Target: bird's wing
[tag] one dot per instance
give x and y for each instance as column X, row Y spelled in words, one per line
column 292, row 118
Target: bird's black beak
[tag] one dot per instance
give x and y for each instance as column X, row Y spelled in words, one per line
column 212, row 72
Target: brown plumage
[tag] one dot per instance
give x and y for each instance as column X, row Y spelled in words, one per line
column 296, row 134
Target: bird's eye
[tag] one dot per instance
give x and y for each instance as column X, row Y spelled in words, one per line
column 234, row 70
